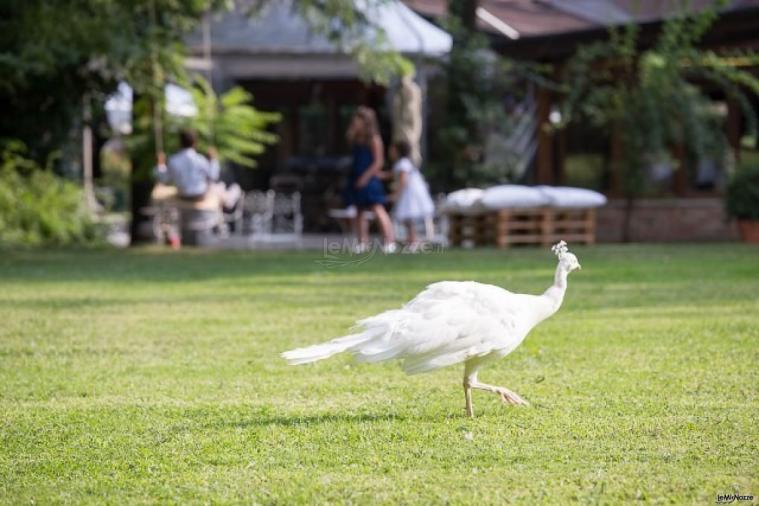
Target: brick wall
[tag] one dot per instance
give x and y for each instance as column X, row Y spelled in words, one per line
column 666, row 220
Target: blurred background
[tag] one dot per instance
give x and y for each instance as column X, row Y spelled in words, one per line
column 650, row 104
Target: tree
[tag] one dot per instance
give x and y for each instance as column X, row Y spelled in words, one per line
column 348, row 23
column 648, row 99
column 228, row 122
column 474, row 106
column 36, row 206
column 60, row 59
column 58, row 56
column 480, row 84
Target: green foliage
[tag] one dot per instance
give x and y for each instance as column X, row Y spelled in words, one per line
column 647, row 96
column 349, row 24
column 229, row 122
column 54, row 56
column 478, row 83
column 143, row 377
column 470, row 95
column 113, row 186
column 584, row 170
column 36, row 206
column 380, row 66
column 742, row 196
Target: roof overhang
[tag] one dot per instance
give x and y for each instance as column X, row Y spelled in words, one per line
column 277, row 41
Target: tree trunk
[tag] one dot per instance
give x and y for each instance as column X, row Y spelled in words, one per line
column 466, row 10
column 87, row 159
column 141, row 183
column 544, row 157
column 140, row 198
column 619, row 181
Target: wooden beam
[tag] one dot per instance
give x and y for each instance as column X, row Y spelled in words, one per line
column 734, row 128
column 561, row 157
column 544, row 157
column 616, row 161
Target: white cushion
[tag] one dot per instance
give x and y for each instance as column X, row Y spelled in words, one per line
column 567, row 197
column 511, row 196
column 466, row 201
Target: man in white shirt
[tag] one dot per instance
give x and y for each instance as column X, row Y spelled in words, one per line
column 192, row 173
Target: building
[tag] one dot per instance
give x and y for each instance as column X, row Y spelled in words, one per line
column 315, row 85
column 689, row 206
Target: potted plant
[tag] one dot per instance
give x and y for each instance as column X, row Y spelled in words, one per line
column 742, row 199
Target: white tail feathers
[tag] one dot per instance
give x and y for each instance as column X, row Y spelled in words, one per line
column 324, row 350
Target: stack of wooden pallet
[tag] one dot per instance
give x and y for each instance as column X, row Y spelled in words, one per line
column 507, row 227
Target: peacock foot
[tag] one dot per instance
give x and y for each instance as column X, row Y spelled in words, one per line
column 509, row 397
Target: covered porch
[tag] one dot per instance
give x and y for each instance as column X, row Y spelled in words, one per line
column 315, row 85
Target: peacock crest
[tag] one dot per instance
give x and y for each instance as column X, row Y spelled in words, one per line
column 560, row 248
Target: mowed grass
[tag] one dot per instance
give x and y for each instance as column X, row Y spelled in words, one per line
column 152, row 377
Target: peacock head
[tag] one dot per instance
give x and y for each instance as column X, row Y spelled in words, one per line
column 567, row 260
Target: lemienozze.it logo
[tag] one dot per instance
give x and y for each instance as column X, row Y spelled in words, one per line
column 729, row 498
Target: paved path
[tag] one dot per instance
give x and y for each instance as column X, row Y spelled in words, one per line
column 282, row 242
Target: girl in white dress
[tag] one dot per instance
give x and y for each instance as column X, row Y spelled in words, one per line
column 412, row 197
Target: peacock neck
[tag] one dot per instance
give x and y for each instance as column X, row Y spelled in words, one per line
column 554, row 296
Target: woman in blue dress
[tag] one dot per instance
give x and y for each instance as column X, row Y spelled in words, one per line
column 365, row 189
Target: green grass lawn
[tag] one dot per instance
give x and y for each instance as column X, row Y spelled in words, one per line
column 145, row 376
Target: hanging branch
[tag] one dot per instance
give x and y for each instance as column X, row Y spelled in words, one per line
column 207, row 57
column 157, row 82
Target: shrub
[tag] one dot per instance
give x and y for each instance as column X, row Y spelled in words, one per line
column 37, row 207
column 742, row 196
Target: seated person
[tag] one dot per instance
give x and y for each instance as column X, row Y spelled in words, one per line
column 194, row 175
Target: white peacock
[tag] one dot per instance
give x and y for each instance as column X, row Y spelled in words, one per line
column 448, row 323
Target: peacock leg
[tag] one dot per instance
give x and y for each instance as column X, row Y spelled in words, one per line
column 506, row 395
column 468, row 396
column 469, row 377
